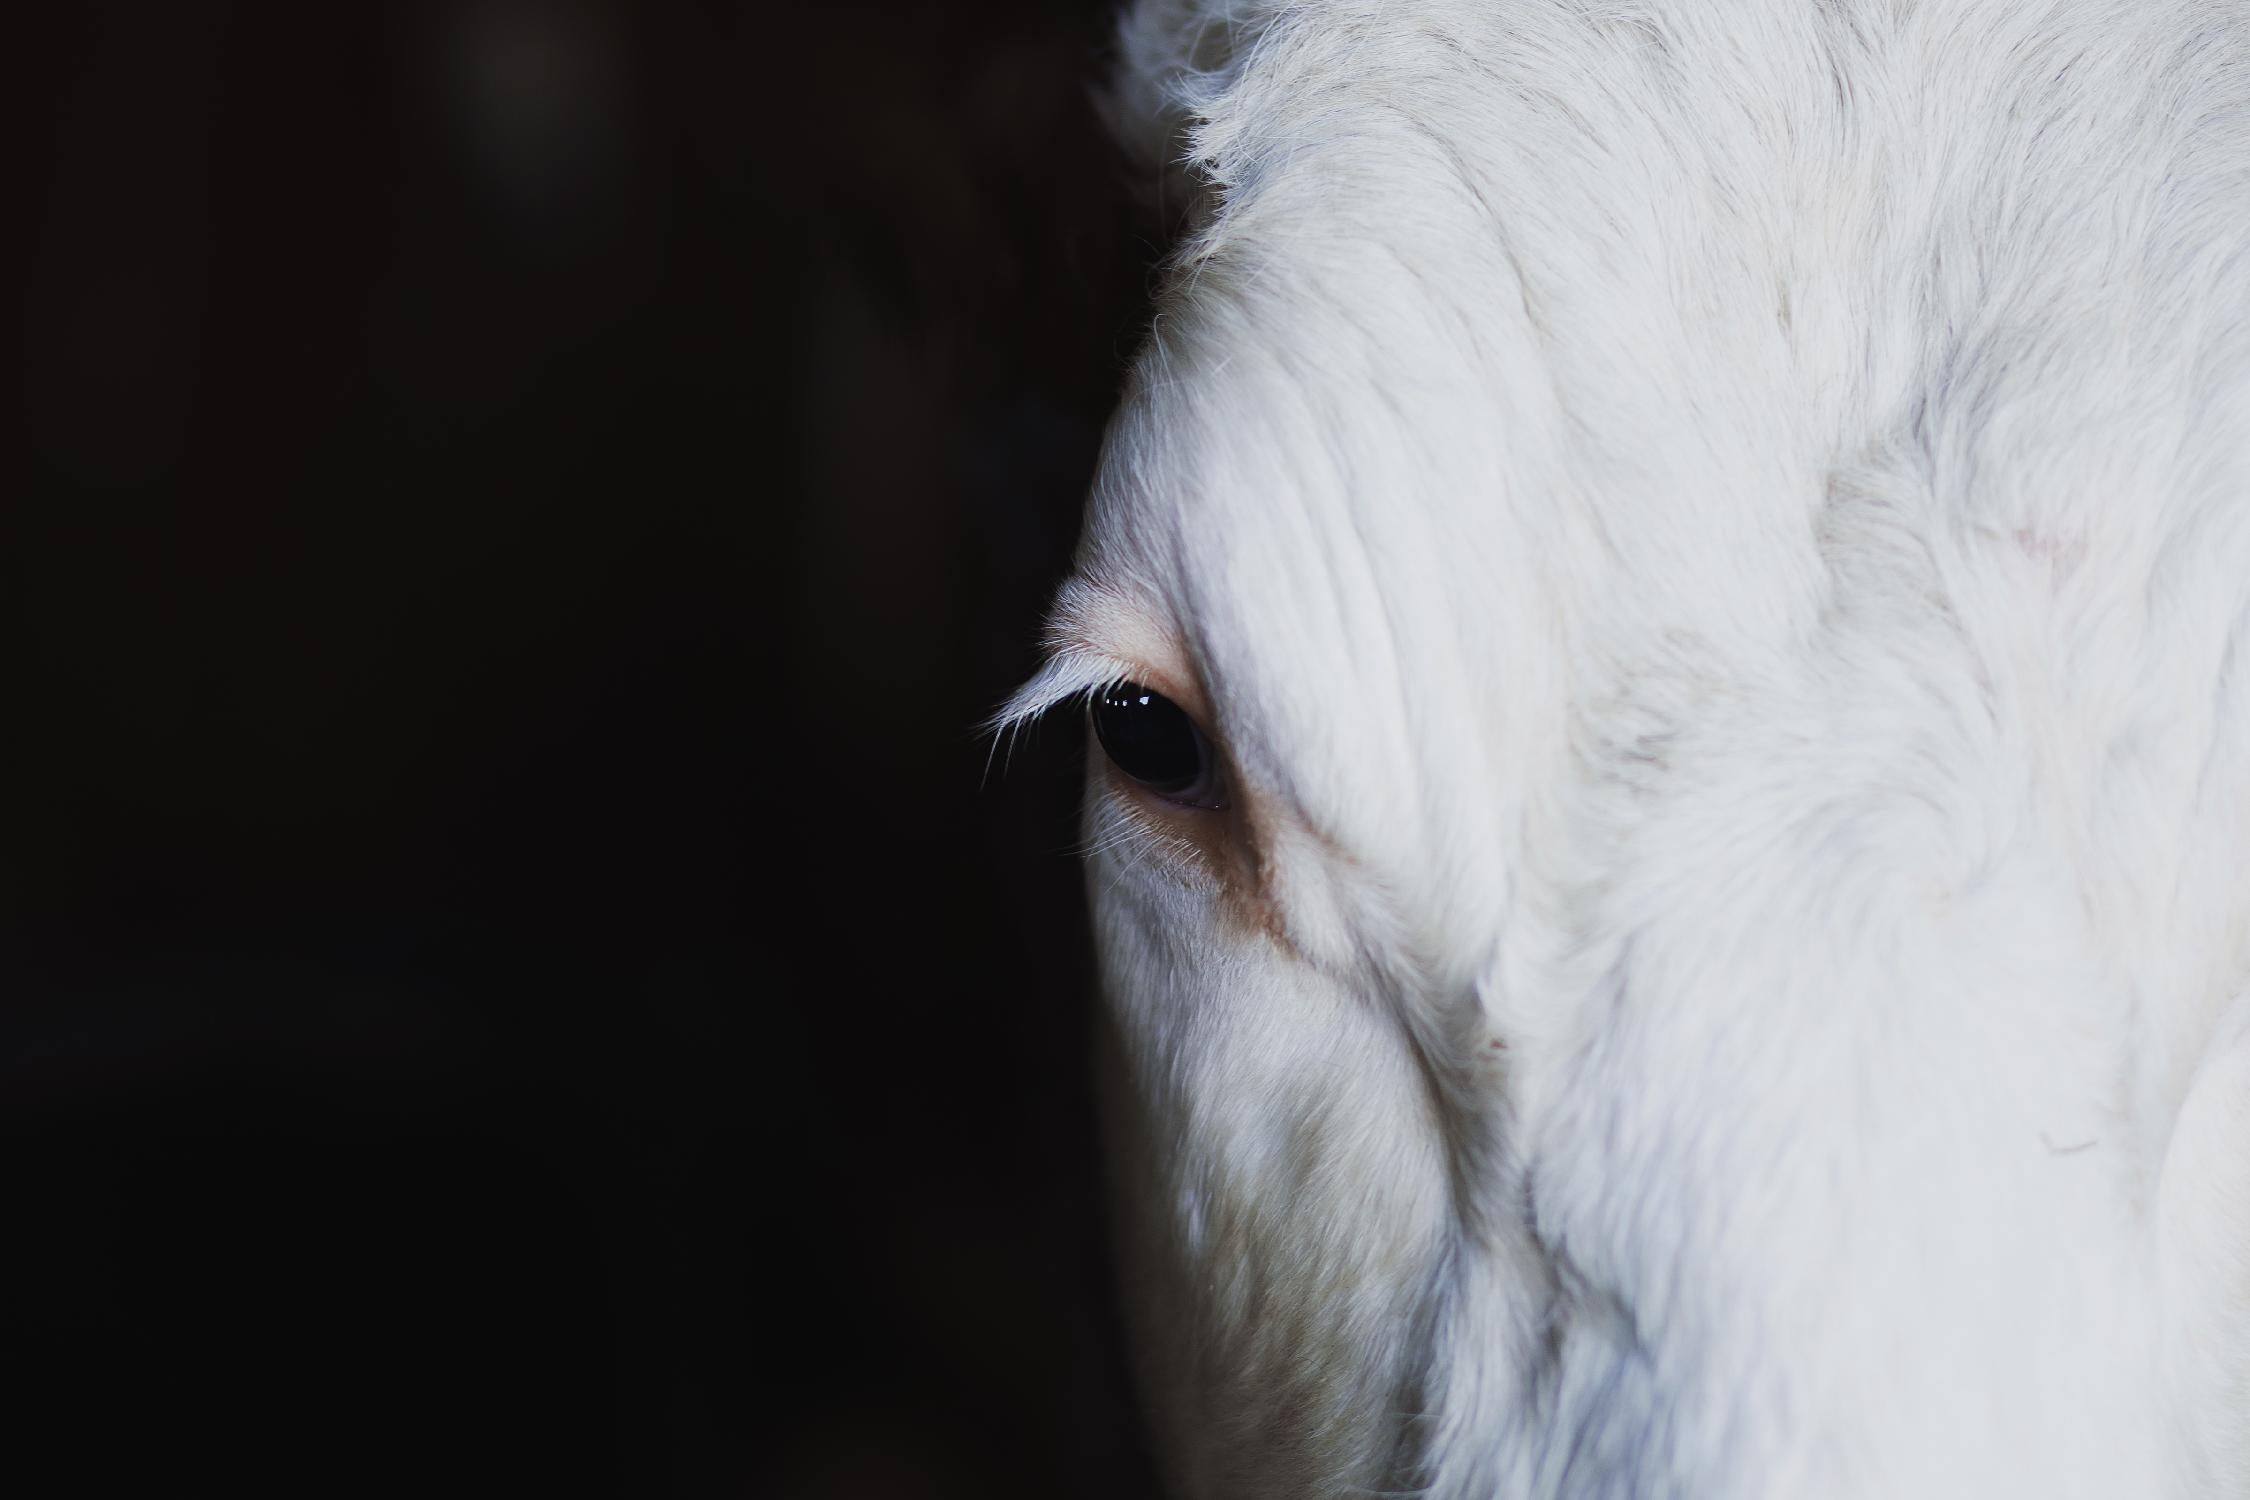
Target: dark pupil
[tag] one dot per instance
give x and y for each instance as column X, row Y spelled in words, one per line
column 1148, row 737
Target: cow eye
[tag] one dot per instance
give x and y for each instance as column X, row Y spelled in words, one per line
column 1148, row 738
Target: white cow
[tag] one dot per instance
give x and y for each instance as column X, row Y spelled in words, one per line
column 1669, row 607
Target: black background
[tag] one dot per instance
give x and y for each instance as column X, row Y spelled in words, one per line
column 512, row 978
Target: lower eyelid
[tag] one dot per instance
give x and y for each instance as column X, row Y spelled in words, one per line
column 1148, row 837
column 1133, row 799
column 1165, row 802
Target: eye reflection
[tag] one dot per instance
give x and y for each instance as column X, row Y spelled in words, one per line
column 1147, row 737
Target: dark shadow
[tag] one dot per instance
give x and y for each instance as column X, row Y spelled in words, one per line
column 509, row 982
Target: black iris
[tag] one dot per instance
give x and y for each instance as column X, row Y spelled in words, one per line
column 1152, row 741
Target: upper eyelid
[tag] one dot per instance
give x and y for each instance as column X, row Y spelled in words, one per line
column 1071, row 673
column 1097, row 634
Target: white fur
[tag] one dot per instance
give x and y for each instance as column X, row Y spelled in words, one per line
column 1716, row 540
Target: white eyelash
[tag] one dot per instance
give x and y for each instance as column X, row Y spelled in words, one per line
column 1072, row 672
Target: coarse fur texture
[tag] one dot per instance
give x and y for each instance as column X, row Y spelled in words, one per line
column 1713, row 540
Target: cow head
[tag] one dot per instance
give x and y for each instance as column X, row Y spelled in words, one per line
column 1664, row 618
